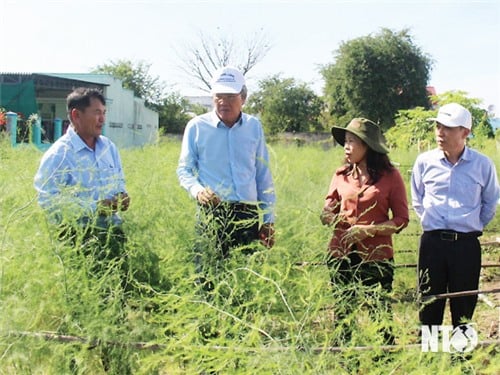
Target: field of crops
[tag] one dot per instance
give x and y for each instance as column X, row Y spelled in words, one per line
column 272, row 313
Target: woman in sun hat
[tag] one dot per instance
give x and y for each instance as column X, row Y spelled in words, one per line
column 366, row 203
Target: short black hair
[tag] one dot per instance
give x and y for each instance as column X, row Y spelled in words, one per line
column 80, row 98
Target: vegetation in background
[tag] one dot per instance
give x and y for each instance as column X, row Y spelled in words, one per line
column 199, row 59
column 285, row 105
column 375, row 76
column 412, row 127
column 173, row 113
column 383, row 77
column 135, row 76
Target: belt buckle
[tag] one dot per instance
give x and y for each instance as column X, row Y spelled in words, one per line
column 448, row 236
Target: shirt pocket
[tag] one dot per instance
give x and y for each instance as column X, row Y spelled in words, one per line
column 466, row 190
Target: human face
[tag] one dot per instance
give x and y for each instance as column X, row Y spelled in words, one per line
column 89, row 122
column 451, row 140
column 228, row 107
column 354, row 149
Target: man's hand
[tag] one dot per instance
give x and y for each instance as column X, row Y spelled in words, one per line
column 122, row 201
column 208, row 198
column 266, row 235
column 119, row 202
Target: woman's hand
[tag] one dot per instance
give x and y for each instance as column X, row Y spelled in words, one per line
column 358, row 232
column 328, row 216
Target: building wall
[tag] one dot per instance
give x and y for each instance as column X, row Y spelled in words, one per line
column 129, row 123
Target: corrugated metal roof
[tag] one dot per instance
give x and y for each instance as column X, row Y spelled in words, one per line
column 50, row 80
column 99, row 79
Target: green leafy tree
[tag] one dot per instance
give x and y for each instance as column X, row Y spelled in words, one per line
column 135, row 76
column 286, row 105
column 481, row 126
column 174, row 113
column 413, row 128
column 375, row 76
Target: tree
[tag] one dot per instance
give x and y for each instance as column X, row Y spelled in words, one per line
column 198, row 61
column 481, row 126
column 375, row 76
column 174, row 113
column 413, row 128
column 285, row 105
column 135, row 76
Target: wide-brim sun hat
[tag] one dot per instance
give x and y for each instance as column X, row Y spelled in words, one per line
column 366, row 130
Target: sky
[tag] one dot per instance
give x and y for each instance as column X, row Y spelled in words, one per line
column 68, row 36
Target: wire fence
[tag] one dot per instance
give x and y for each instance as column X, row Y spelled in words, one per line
column 492, row 246
column 155, row 347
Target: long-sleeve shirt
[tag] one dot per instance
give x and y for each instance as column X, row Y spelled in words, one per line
column 232, row 161
column 368, row 204
column 72, row 177
column 460, row 197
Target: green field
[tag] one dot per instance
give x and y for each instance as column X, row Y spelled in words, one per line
column 272, row 314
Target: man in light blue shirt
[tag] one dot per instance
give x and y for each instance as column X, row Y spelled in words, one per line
column 80, row 182
column 224, row 165
column 454, row 193
column 81, row 186
column 80, row 177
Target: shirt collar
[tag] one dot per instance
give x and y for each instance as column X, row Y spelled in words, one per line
column 76, row 141
column 215, row 120
column 465, row 155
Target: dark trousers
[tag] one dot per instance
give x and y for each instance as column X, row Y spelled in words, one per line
column 102, row 246
column 100, row 250
column 448, row 263
column 351, row 269
column 218, row 230
column 347, row 274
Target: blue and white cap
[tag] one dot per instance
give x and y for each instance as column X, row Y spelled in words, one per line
column 227, row 80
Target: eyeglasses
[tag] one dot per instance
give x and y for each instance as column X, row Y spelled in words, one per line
column 226, row 97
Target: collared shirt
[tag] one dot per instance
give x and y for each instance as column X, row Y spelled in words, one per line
column 367, row 204
column 232, row 161
column 72, row 177
column 460, row 197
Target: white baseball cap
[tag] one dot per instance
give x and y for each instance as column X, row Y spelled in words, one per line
column 227, row 80
column 453, row 115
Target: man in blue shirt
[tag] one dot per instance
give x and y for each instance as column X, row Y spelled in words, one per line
column 80, row 177
column 80, row 181
column 81, row 186
column 454, row 193
column 224, row 165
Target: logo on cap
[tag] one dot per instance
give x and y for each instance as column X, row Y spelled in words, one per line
column 226, row 77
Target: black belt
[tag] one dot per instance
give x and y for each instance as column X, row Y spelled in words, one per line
column 238, row 206
column 235, row 206
column 451, row 235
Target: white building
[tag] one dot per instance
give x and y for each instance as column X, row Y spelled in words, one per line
column 129, row 122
